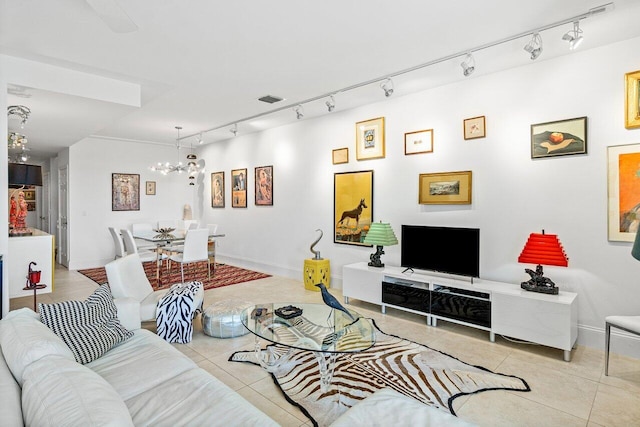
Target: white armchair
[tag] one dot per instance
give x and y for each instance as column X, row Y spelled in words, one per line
column 130, row 286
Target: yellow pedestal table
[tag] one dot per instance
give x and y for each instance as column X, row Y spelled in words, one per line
column 316, row 271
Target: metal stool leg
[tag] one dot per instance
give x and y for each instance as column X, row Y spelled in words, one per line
column 607, row 342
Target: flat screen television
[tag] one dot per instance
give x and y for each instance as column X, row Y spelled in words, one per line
column 449, row 250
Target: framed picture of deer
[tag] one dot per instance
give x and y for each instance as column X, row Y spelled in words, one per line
column 352, row 206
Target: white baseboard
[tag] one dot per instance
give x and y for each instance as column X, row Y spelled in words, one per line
column 621, row 342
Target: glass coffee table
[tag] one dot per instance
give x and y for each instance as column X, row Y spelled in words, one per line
column 313, row 327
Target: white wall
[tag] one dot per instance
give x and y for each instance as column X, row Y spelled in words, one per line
column 513, row 195
column 91, row 163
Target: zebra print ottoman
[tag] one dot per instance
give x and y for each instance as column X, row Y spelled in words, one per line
column 223, row 319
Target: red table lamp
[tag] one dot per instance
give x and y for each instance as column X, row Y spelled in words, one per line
column 542, row 249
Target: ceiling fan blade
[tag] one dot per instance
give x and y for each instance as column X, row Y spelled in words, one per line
column 113, row 15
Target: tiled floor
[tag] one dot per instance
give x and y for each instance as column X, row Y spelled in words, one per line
column 563, row 394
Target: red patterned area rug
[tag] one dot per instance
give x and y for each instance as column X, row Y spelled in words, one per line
column 224, row 275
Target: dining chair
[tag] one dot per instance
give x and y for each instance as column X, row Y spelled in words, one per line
column 118, row 243
column 142, row 228
column 211, row 245
column 132, row 248
column 629, row 324
column 195, row 250
column 167, row 223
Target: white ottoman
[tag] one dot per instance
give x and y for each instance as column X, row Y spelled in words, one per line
column 223, row 319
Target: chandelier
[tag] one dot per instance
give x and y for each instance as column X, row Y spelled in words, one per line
column 20, row 111
column 192, row 167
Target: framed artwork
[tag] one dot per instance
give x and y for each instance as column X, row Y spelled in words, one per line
column 559, row 138
column 352, row 206
column 340, row 155
column 239, row 188
column 632, row 100
column 370, row 139
column 474, row 127
column 150, row 188
column 264, row 185
column 623, row 180
column 217, row 189
column 417, row 142
column 445, row 188
column 125, row 192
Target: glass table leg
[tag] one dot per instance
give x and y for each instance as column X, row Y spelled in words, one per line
column 326, row 365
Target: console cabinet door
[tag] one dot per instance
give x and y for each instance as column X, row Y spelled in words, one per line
column 362, row 284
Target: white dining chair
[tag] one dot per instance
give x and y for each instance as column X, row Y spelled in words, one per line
column 211, row 245
column 195, row 250
column 132, row 248
column 118, row 243
column 142, row 229
column 629, row 324
column 168, row 223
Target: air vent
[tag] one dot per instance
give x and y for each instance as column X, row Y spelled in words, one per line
column 270, row 99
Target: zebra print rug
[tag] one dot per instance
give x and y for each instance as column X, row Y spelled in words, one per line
column 430, row 376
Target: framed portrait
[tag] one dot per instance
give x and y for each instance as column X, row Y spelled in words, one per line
column 340, row 155
column 239, row 188
column 417, row 142
column 217, row 189
column 623, row 192
column 264, row 185
column 150, row 188
column 370, row 139
column 559, row 138
column 632, row 100
column 125, row 192
column 474, row 127
column 352, row 206
column 445, row 188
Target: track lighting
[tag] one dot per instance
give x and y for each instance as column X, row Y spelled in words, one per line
column 387, row 87
column 299, row 111
column 468, row 65
column 574, row 37
column 234, row 130
column 534, row 47
column 331, row 104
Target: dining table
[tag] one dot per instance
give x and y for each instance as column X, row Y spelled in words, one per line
column 164, row 238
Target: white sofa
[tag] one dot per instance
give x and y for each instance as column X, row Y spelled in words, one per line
column 142, row 381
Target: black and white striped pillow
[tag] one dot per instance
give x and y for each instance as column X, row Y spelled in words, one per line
column 90, row 328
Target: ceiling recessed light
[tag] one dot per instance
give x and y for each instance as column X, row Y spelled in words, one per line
column 270, row 99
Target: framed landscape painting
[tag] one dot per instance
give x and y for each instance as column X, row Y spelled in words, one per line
column 239, row 188
column 217, row 189
column 352, row 206
column 623, row 192
column 125, row 192
column 559, row 138
column 446, row 188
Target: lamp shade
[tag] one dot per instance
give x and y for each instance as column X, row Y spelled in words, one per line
column 380, row 234
column 23, row 174
column 544, row 249
column 635, row 251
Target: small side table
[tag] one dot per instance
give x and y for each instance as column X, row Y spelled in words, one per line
column 316, row 271
column 35, row 289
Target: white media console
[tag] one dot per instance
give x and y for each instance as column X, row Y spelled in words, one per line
column 499, row 308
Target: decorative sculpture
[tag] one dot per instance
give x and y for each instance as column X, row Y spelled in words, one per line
column 331, row 301
column 539, row 283
column 313, row 251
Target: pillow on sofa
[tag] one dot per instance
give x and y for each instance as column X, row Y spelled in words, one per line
column 58, row 391
column 24, row 340
column 90, row 328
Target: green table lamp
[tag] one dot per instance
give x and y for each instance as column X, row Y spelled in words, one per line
column 379, row 234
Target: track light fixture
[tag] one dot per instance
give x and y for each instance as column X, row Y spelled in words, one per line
column 574, row 37
column 534, row 47
column 468, row 65
column 234, row 129
column 387, row 87
column 331, row 104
